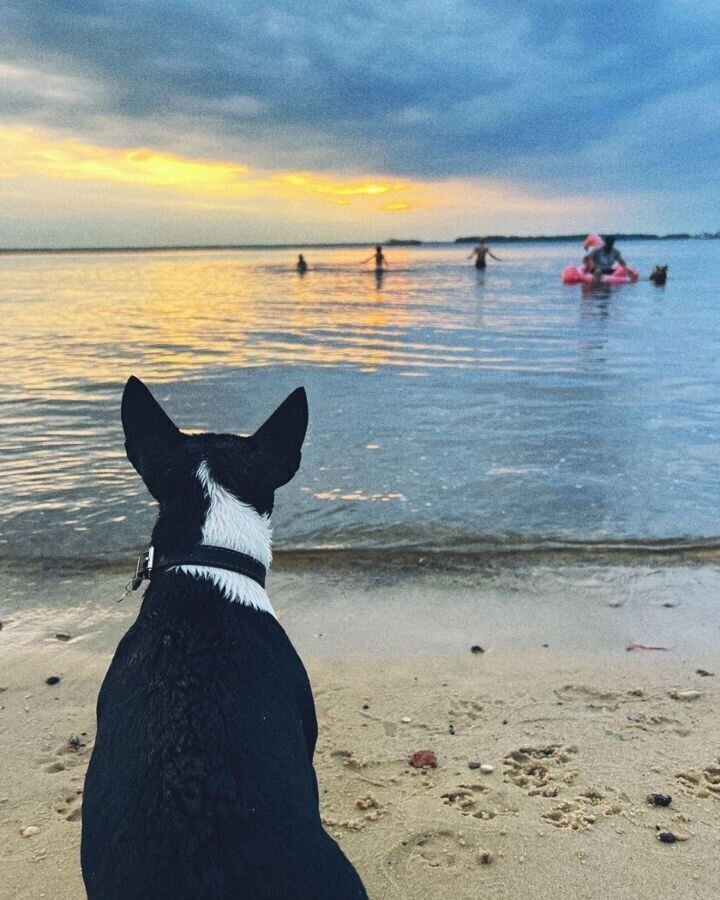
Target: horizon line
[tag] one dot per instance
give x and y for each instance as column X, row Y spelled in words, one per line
column 155, row 248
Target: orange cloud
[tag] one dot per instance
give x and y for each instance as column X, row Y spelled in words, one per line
column 25, row 152
column 150, row 177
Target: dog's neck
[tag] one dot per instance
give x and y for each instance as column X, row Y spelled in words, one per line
column 234, row 525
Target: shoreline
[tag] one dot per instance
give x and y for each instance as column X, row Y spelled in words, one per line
column 660, row 552
column 578, row 729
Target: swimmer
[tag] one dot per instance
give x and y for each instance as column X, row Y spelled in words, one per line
column 481, row 252
column 380, row 261
column 301, row 265
column 607, row 258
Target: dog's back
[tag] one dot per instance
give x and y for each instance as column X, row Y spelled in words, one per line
column 201, row 785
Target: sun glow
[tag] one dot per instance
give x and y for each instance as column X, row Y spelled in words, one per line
column 26, row 152
column 92, row 193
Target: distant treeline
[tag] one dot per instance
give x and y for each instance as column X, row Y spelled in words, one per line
column 579, row 238
column 391, row 242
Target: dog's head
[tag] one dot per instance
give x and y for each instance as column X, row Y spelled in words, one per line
column 659, row 275
column 250, row 468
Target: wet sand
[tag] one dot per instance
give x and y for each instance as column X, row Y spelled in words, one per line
column 578, row 729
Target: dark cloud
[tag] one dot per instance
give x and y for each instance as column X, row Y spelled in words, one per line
column 551, row 90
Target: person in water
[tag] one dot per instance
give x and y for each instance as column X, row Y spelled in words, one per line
column 301, row 266
column 607, row 258
column 379, row 257
column 587, row 264
column 480, row 253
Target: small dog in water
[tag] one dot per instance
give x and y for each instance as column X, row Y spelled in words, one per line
column 201, row 784
column 659, row 275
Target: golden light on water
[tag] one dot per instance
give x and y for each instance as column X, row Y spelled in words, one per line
column 96, row 318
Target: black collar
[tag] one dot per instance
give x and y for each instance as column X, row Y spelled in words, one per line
column 150, row 563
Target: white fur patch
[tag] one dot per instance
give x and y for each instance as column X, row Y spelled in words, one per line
column 234, row 525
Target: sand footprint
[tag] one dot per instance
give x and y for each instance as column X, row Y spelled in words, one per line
column 705, row 783
column 70, row 807
column 465, row 709
column 537, row 770
column 581, row 813
column 656, row 722
column 440, row 848
column 591, row 697
column 464, row 798
column 73, row 753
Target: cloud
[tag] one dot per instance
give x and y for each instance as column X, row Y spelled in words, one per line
column 558, row 94
column 27, row 152
column 119, row 195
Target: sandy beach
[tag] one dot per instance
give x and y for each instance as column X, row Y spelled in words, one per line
column 548, row 742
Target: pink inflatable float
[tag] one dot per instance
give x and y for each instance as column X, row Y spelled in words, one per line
column 578, row 275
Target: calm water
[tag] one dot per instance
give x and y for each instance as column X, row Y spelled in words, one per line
column 449, row 408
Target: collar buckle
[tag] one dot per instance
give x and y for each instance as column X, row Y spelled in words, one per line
column 143, row 570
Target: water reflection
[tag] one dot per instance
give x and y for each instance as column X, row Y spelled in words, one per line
column 504, row 402
column 87, row 320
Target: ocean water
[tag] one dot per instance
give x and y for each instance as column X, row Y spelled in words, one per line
column 450, row 409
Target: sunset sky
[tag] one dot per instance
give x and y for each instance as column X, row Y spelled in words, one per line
column 158, row 122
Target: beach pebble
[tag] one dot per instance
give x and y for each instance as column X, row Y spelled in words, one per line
column 406, row 719
column 659, row 799
column 62, row 636
column 473, row 765
column 487, row 769
column 484, row 857
column 422, row 759
column 685, row 695
column 74, row 743
column 29, row 831
column 3, row 688
column 53, row 679
column 667, row 837
column 476, row 648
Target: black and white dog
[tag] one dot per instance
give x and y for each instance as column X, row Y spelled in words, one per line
column 201, row 783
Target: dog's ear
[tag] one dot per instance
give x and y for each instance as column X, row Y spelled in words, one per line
column 282, row 436
column 149, row 431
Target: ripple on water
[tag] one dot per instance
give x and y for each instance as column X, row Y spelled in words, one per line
column 499, row 407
